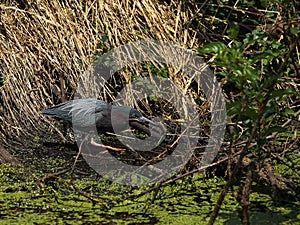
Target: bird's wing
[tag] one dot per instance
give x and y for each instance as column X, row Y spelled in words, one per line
column 85, row 112
column 80, row 112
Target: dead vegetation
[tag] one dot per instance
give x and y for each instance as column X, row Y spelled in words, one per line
column 46, row 46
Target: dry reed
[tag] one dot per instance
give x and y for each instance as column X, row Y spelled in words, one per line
column 46, row 45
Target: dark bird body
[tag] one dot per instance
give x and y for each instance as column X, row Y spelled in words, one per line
column 85, row 114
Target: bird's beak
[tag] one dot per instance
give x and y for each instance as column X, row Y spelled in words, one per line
column 144, row 120
column 142, row 124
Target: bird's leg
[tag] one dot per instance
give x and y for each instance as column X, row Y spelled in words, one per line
column 106, row 146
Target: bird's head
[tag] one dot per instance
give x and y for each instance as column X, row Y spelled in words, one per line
column 136, row 116
column 123, row 117
column 139, row 122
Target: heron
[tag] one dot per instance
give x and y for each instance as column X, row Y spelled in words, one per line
column 87, row 113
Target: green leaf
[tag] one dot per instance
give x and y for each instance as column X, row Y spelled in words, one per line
column 273, row 129
column 250, row 113
column 295, row 30
column 233, row 31
column 212, row 47
column 281, row 93
column 104, row 38
column 288, row 111
column 233, row 108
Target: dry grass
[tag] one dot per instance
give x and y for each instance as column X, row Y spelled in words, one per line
column 45, row 46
